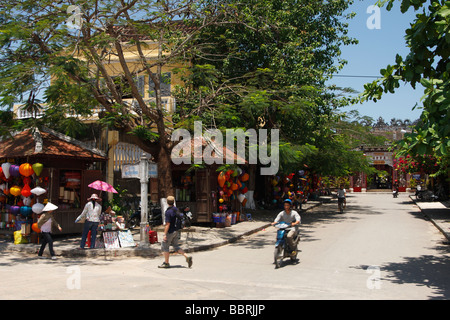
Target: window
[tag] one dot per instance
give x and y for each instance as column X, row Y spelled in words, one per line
column 165, row 85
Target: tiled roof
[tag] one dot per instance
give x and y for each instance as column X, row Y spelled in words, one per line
column 55, row 145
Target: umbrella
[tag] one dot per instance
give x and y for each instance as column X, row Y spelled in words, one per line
column 102, row 186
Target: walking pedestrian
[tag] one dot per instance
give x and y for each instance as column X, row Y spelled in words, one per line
column 171, row 235
column 45, row 222
column 91, row 213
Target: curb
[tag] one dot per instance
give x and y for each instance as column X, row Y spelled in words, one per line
column 435, row 223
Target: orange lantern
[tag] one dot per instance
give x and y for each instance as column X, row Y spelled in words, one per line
column 26, row 169
column 234, row 187
column 221, row 179
column 245, row 177
column 35, row 228
column 26, row 191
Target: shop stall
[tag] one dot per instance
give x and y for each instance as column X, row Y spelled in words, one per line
column 43, row 165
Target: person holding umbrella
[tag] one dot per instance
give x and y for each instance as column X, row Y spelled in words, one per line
column 91, row 214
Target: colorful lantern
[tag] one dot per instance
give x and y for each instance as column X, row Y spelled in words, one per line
column 5, row 168
column 245, row 177
column 35, row 228
column 25, row 211
column 26, row 169
column 234, row 186
column 37, row 168
column 26, row 191
column 221, row 179
column 15, row 191
column 37, row 208
column 15, row 210
column 38, row 191
column 14, row 170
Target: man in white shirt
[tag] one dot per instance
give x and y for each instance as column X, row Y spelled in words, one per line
column 92, row 211
column 341, row 193
column 289, row 216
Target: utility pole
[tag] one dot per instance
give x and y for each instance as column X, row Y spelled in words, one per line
column 143, row 176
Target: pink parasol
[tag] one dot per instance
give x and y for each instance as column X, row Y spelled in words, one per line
column 102, row 186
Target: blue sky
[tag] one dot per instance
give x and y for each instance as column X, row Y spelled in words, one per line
column 376, row 49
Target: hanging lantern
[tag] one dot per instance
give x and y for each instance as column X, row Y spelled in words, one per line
column 38, row 191
column 37, row 168
column 35, row 228
column 26, row 201
column 15, row 210
column 245, row 177
column 25, row 211
column 221, row 179
column 14, row 170
column 234, row 187
column 15, row 191
column 26, row 169
column 37, row 208
column 5, row 168
column 26, row 191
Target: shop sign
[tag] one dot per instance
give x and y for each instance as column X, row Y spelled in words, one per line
column 132, row 171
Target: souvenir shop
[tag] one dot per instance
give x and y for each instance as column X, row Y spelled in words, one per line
column 44, row 166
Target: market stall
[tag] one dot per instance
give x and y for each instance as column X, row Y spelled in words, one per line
column 40, row 166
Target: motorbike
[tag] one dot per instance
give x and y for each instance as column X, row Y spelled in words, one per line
column 395, row 193
column 154, row 218
column 426, row 195
column 282, row 249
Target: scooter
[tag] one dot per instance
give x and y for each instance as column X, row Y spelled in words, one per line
column 282, row 249
column 395, row 193
column 154, row 219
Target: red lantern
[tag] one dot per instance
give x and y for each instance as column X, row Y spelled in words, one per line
column 26, row 191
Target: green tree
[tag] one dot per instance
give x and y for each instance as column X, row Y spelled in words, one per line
column 427, row 63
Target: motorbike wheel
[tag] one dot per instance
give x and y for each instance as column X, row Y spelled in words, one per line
column 278, row 255
column 341, row 207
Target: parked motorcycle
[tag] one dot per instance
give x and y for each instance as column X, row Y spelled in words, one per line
column 282, row 249
column 426, row 195
column 154, row 218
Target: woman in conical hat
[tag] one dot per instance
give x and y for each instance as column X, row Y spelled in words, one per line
column 45, row 223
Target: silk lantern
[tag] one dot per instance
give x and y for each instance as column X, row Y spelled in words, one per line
column 14, row 170
column 26, row 191
column 15, row 210
column 15, row 191
column 25, row 211
column 37, row 168
column 35, row 228
column 38, row 191
column 37, row 208
column 221, row 179
column 245, row 177
column 5, row 168
column 26, row 169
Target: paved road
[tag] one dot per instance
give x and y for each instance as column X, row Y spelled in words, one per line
column 380, row 248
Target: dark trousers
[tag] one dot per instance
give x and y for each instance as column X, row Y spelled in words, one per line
column 89, row 226
column 46, row 238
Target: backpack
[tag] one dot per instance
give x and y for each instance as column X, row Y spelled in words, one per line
column 180, row 220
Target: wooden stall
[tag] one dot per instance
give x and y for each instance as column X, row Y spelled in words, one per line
column 68, row 166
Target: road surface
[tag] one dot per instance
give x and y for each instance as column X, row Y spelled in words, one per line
column 380, row 248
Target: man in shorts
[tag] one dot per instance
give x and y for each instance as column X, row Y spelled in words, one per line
column 171, row 235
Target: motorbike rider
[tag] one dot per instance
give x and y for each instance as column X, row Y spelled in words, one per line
column 341, row 194
column 291, row 217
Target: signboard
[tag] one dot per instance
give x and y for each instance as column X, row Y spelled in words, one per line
column 380, row 158
column 132, row 171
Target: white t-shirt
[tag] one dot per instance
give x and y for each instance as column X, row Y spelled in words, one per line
column 283, row 216
column 341, row 193
column 47, row 226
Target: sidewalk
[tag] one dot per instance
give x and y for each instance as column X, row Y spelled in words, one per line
column 438, row 213
column 193, row 239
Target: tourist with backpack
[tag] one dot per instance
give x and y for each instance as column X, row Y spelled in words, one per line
column 173, row 225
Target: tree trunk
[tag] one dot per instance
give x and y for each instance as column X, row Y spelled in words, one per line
column 164, row 163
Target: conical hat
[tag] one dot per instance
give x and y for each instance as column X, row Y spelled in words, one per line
column 50, row 207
